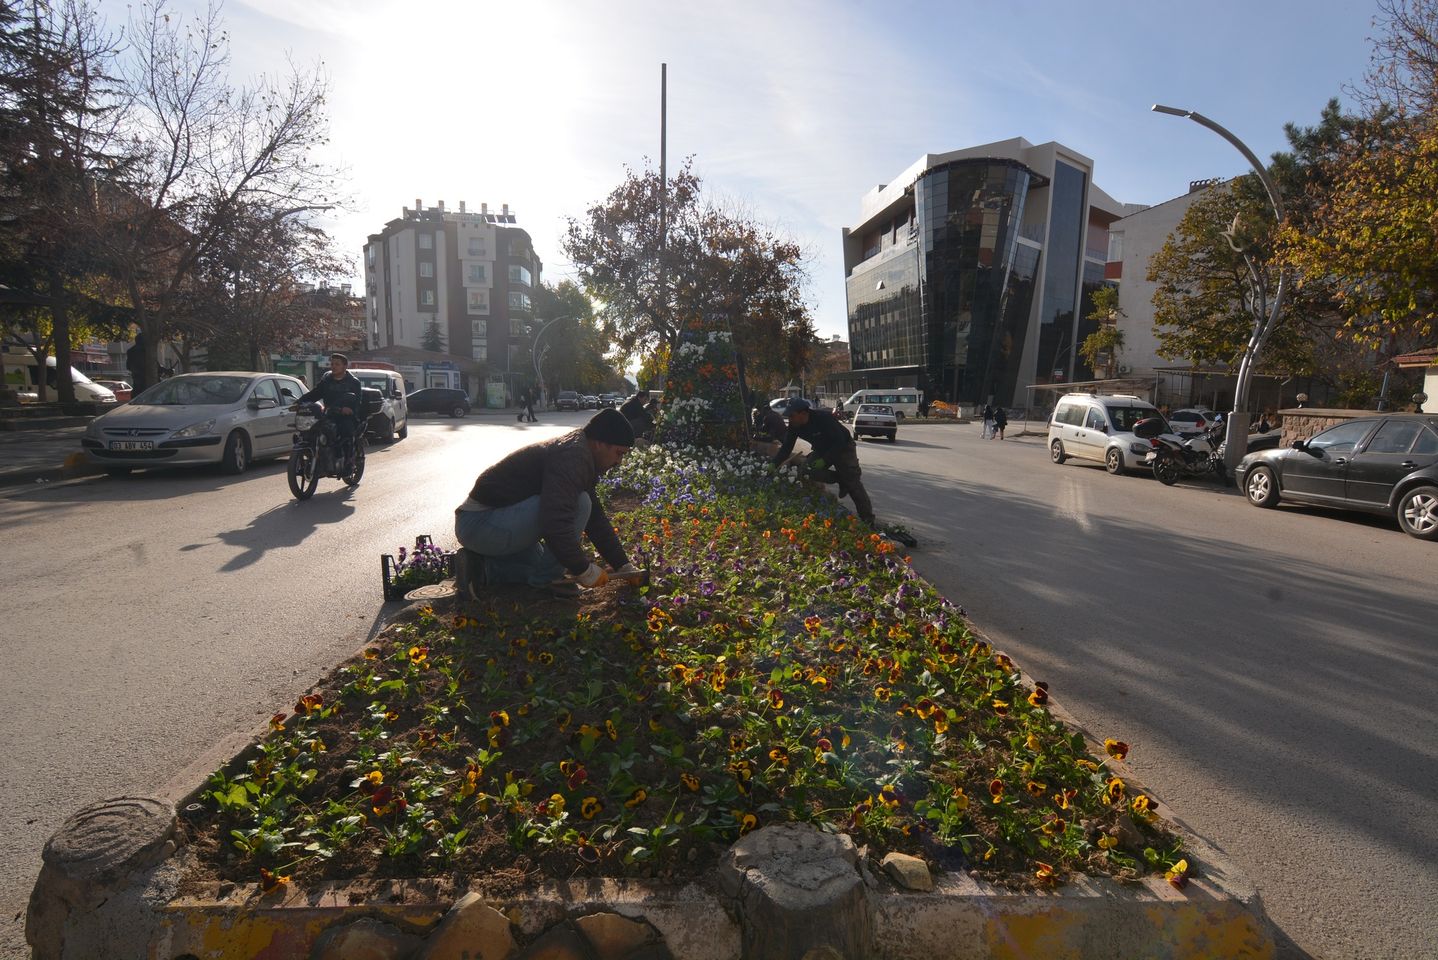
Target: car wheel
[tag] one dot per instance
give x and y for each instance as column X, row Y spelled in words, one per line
column 894, row 437
column 1261, row 487
column 1056, row 452
column 458, row 411
column 1113, row 461
column 1418, row 513
column 303, row 475
column 237, row 454
column 118, row 471
column 389, row 434
column 404, row 430
column 898, row 415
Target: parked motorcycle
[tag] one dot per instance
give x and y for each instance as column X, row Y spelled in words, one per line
column 1174, row 457
column 316, row 452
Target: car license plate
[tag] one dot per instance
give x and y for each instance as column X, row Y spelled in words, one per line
column 132, row 444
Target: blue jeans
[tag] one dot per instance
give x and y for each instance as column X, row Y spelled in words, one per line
column 509, row 540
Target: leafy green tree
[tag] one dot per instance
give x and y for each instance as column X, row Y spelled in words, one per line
column 59, row 152
column 433, row 336
column 575, row 353
column 1102, row 347
column 714, row 265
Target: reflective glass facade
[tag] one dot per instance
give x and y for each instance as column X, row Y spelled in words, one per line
column 1067, row 216
column 939, row 291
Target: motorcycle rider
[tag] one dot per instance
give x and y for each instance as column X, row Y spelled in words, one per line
column 339, row 390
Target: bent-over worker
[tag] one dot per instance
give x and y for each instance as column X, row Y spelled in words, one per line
column 525, row 514
column 834, row 460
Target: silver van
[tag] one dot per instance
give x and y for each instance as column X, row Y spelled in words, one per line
column 392, row 422
column 1096, row 427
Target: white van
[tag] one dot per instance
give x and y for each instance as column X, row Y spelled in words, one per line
column 86, row 390
column 1099, row 427
column 392, row 422
column 904, row 400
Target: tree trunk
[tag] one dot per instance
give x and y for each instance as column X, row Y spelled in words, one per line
column 60, row 321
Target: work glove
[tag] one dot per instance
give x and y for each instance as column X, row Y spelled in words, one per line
column 593, row 577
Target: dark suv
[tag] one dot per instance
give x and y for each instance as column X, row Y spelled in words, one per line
column 439, row 400
column 567, row 400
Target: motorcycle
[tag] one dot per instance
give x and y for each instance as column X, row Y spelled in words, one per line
column 1174, row 457
column 316, row 452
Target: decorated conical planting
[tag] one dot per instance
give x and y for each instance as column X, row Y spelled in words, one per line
column 702, row 404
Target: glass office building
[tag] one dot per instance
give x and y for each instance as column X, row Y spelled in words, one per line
column 970, row 276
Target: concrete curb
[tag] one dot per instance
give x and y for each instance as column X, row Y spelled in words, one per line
column 75, row 466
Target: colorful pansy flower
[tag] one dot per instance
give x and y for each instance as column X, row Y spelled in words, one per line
column 310, row 703
column 1044, row 873
column 610, row 730
column 1113, row 793
column 1107, row 841
column 418, row 654
column 690, row 782
column 638, row 796
column 1177, row 875
column 960, row 799
column 996, row 789
column 270, row 882
column 1040, row 694
column 1116, row 749
column 277, row 722
column 1036, row 788
column 590, row 807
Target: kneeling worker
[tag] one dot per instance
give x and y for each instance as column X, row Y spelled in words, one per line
column 525, row 514
column 834, row 458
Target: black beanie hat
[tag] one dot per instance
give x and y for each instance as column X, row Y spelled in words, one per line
column 610, row 426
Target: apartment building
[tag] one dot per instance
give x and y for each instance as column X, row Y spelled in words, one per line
column 969, row 275
column 461, row 280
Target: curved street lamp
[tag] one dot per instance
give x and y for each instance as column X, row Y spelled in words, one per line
column 539, row 354
column 1265, row 315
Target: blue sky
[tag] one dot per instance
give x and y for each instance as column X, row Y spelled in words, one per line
column 792, row 110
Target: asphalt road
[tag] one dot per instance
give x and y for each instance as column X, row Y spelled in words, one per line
column 147, row 618
column 1275, row 671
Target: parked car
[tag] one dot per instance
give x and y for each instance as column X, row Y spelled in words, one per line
column 590, row 402
column 1099, row 427
column 567, row 400
column 439, row 400
column 610, row 399
column 229, row 418
column 392, row 422
column 781, row 404
column 1191, row 419
column 1383, row 465
column 876, row 420
column 120, row 388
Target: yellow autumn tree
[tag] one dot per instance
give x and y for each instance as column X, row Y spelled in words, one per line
column 1374, row 237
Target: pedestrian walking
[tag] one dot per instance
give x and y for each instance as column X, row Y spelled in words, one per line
column 988, row 428
column 1001, row 420
column 530, row 396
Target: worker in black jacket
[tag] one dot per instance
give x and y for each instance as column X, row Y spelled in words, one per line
column 834, row 459
column 339, row 390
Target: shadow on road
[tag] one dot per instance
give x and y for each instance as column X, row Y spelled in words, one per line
column 1316, row 701
column 286, row 525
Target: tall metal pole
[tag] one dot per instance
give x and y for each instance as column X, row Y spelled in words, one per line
column 663, row 179
column 1263, row 325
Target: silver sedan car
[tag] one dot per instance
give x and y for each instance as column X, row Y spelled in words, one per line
column 229, row 418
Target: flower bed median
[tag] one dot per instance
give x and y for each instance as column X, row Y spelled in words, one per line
column 785, row 664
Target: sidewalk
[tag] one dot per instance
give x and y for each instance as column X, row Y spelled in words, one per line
column 43, row 456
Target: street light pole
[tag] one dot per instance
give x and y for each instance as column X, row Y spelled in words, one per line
column 1265, row 315
column 538, row 354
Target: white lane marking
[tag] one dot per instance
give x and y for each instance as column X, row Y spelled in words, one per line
column 1072, row 505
